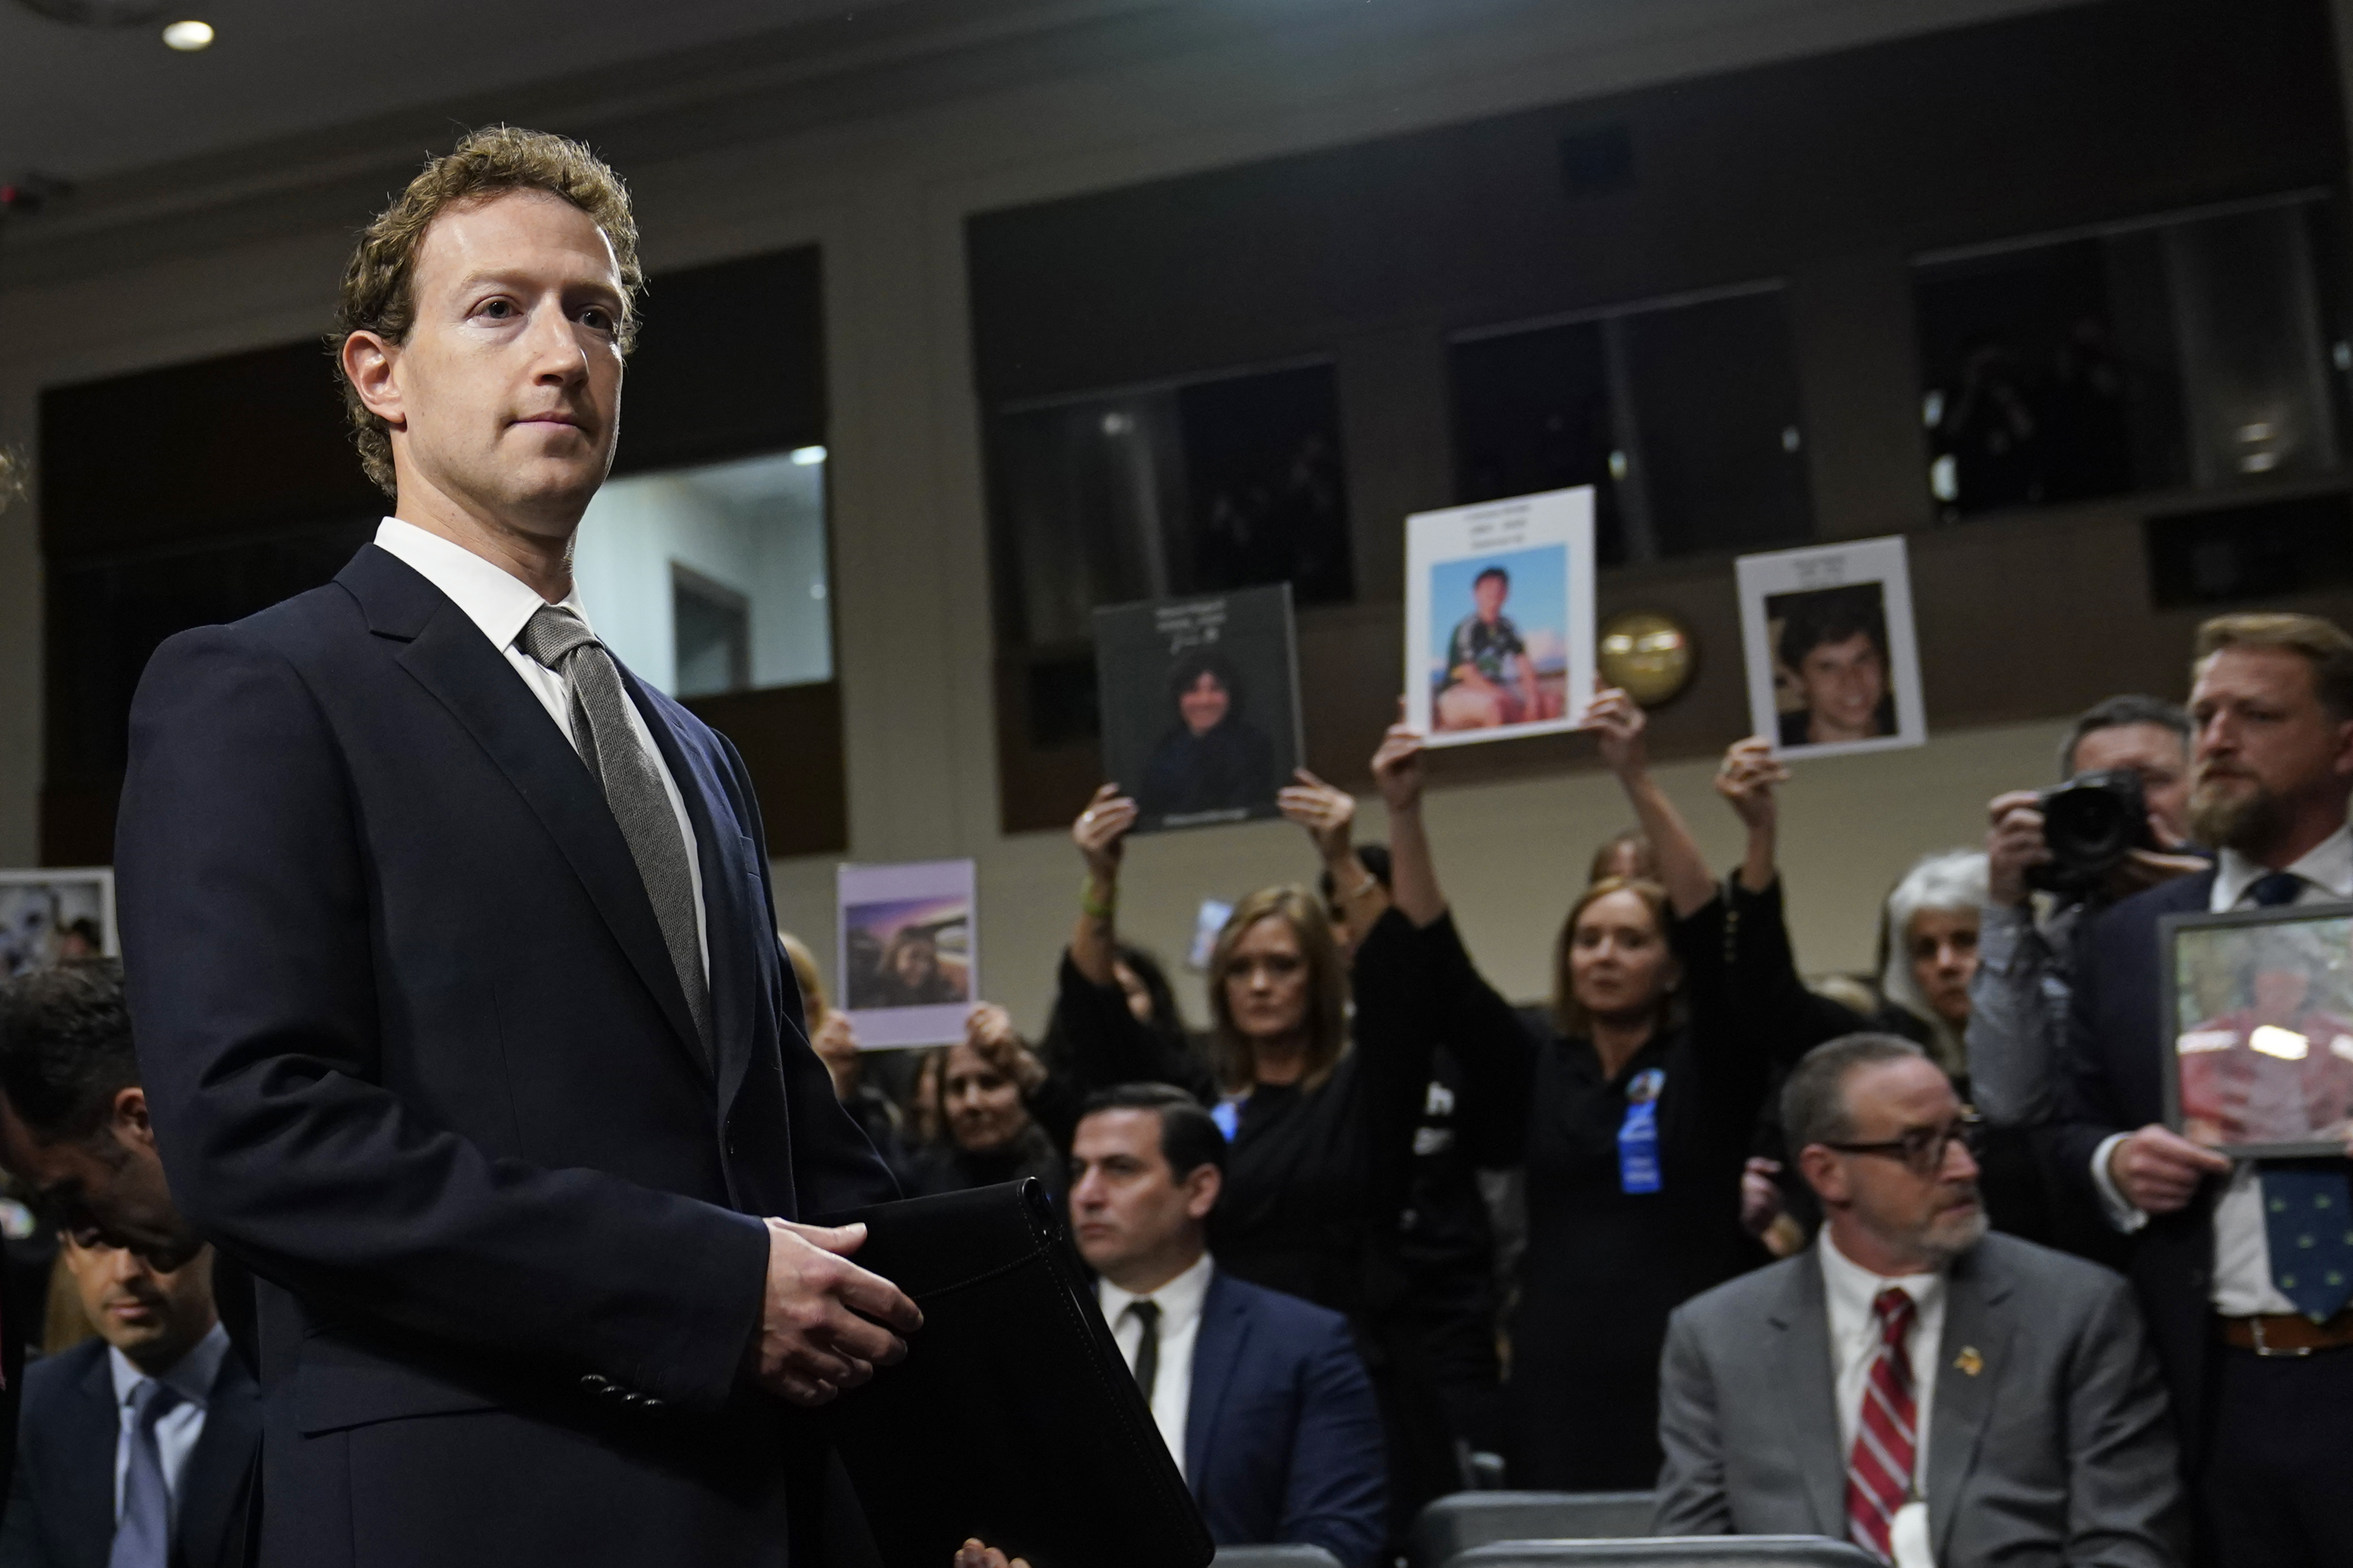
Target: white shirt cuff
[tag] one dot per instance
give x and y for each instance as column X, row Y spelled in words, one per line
column 2119, row 1209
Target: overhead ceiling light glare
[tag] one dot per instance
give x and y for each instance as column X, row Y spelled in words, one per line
column 189, row 37
column 809, row 457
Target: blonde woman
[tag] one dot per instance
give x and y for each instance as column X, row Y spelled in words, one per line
column 1321, row 1123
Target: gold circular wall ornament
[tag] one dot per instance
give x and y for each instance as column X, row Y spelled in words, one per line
column 1649, row 654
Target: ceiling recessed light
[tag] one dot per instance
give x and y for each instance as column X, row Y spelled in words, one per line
column 189, row 37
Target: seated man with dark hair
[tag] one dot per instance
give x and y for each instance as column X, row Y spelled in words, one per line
column 1261, row 1396
column 156, row 1402
column 73, row 1117
column 1937, row 1394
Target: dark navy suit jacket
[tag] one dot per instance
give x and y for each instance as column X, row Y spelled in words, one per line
column 61, row 1510
column 417, row 1057
column 2115, row 1056
column 1282, row 1440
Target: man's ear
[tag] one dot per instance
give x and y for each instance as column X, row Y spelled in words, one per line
column 1825, row 1173
column 368, row 359
column 1201, row 1189
column 2342, row 765
column 128, row 1117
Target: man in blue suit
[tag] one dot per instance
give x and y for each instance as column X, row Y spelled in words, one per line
column 454, row 973
column 138, row 1445
column 2245, row 1269
column 1261, row 1396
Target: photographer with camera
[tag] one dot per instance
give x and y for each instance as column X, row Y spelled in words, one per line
column 2118, row 825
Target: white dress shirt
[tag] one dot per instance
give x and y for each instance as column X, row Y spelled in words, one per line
column 1180, row 1324
column 177, row 1430
column 501, row 604
column 1851, row 1289
column 2243, row 1252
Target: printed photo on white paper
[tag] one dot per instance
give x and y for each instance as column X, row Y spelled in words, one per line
column 1499, row 618
column 53, row 914
column 1833, row 665
column 910, row 950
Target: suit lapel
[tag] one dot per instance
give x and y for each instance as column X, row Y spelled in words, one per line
column 733, row 925
column 1804, row 1376
column 211, row 1488
column 1216, row 1351
column 1970, row 1356
column 83, row 1463
column 447, row 655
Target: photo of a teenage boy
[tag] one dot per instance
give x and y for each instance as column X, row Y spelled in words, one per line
column 1833, row 654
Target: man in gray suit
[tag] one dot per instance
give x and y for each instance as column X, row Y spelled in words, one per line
column 1937, row 1395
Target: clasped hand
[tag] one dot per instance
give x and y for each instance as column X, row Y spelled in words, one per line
column 825, row 1323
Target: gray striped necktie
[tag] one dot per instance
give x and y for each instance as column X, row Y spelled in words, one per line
column 633, row 788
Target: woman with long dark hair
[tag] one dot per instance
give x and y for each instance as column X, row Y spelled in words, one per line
column 1211, row 757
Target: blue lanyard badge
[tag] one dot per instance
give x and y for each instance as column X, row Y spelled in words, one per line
column 1638, row 1135
column 1227, row 1115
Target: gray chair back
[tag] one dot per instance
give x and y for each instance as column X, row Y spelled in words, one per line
column 1672, row 1552
column 1273, row 1557
column 1454, row 1524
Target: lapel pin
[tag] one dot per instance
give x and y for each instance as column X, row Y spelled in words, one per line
column 1969, row 1360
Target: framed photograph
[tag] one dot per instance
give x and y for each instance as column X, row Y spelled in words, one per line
column 2259, row 1018
column 52, row 914
column 1832, row 666
column 910, row 950
column 1499, row 618
column 1201, row 705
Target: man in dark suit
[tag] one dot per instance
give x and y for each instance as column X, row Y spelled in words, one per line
column 1932, row 1392
column 1261, row 1396
column 2244, row 1270
column 74, row 1126
column 138, row 1445
column 455, row 976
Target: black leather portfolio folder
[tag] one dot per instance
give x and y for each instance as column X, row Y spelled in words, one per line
column 1014, row 1418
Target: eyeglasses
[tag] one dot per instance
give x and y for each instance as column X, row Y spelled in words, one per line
column 1923, row 1149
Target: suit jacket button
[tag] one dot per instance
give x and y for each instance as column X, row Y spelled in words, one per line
column 595, row 1385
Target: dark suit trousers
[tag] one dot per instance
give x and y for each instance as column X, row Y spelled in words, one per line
column 2278, row 1487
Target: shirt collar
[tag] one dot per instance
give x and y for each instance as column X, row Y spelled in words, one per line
column 493, row 598
column 191, row 1377
column 1179, row 1300
column 2327, row 865
column 1853, row 1287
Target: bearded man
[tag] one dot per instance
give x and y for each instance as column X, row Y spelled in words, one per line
column 2244, row 1269
column 453, row 964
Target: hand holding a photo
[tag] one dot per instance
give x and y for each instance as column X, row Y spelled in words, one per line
column 1327, row 812
column 1413, row 873
column 1398, row 769
column 1101, row 832
column 2157, row 1170
column 1747, row 778
column 1745, row 781
column 1618, row 721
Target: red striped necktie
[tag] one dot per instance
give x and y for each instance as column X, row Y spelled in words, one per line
column 1878, row 1471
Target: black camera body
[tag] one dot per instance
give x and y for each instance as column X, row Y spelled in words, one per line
column 2089, row 825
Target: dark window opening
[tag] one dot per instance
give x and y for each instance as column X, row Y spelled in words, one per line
column 1684, row 418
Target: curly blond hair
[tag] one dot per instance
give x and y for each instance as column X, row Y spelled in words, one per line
column 378, row 293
